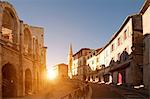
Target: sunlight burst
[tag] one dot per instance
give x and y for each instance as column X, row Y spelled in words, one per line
column 51, row 74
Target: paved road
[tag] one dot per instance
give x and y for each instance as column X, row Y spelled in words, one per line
column 55, row 90
column 129, row 93
column 95, row 91
column 104, row 92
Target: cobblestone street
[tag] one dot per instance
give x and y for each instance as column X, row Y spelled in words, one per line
column 104, row 91
column 57, row 90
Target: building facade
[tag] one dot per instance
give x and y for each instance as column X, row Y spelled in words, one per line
column 145, row 11
column 79, row 64
column 119, row 61
column 70, row 60
column 125, row 59
column 92, row 64
column 22, row 55
column 62, row 71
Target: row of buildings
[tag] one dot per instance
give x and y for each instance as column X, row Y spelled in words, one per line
column 125, row 59
column 22, row 55
column 60, row 71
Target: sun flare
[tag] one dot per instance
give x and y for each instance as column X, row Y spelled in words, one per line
column 51, row 74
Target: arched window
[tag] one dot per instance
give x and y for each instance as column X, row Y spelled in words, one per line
column 27, row 40
column 9, row 81
column 112, row 62
column 9, row 26
column 28, row 82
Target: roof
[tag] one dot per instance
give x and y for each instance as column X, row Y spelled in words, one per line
column 98, row 49
column 81, row 50
column 61, row 64
column 145, row 6
column 119, row 30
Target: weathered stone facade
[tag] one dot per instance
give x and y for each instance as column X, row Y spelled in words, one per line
column 120, row 61
column 62, row 71
column 22, row 55
column 145, row 11
column 79, row 64
column 130, row 66
column 70, row 60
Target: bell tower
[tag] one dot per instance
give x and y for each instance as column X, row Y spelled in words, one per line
column 70, row 61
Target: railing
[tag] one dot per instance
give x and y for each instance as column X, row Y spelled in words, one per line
column 79, row 93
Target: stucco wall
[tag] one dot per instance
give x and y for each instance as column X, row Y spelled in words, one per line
column 146, row 59
column 106, row 55
column 146, row 22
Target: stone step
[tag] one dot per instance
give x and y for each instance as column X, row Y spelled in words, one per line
column 135, row 98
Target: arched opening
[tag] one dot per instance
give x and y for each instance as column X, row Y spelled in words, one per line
column 27, row 40
column 119, row 79
column 9, row 81
column 9, row 26
column 124, row 56
column 106, row 78
column 99, row 78
column 28, row 82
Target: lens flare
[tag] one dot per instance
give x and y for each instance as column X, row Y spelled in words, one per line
column 51, row 74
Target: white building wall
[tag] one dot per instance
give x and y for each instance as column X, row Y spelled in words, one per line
column 92, row 62
column 146, row 22
column 74, row 67
column 146, row 60
column 106, row 55
column 101, row 58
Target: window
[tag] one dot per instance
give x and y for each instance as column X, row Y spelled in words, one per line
column 94, row 53
column 92, row 62
column 118, row 56
column 125, row 34
column 97, row 59
column 106, row 53
column 119, row 41
column 112, row 47
column 112, row 58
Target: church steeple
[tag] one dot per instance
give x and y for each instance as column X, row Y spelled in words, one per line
column 70, row 50
column 70, row 61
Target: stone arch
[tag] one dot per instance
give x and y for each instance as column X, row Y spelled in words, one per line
column 28, row 82
column 99, row 78
column 10, row 23
column 106, row 78
column 112, row 62
column 9, row 81
column 124, row 56
column 121, row 77
column 27, row 40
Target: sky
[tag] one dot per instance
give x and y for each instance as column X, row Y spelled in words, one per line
column 82, row 23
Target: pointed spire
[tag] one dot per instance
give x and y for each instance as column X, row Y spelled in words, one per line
column 70, row 50
column 70, row 61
